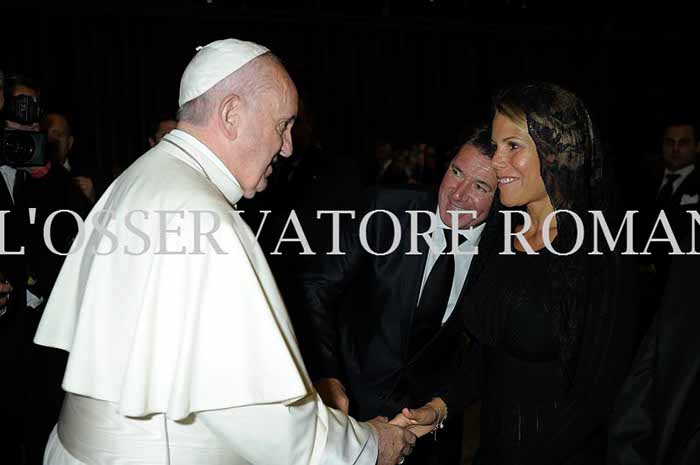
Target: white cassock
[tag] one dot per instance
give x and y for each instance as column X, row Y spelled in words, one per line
column 182, row 358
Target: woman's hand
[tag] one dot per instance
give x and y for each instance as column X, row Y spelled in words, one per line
column 423, row 420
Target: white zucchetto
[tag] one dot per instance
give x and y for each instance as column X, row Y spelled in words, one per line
column 213, row 63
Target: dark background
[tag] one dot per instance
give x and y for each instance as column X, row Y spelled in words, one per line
column 411, row 71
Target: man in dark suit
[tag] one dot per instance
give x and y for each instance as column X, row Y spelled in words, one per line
column 387, row 325
column 61, row 150
column 679, row 187
column 30, row 394
column 674, row 188
column 657, row 414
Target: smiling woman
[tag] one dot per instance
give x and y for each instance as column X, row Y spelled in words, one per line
column 557, row 331
column 516, row 163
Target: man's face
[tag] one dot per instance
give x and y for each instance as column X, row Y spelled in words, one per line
column 164, row 127
column 680, row 147
column 266, row 129
column 23, row 90
column 58, row 131
column 468, row 185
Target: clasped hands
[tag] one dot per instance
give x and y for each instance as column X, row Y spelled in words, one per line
column 396, row 437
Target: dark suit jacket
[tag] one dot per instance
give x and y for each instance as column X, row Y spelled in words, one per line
column 30, row 394
column 676, row 208
column 680, row 221
column 657, row 414
column 361, row 307
column 53, row 192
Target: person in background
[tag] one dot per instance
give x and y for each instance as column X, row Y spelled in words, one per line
column 677, row 188
column 61, row 141
column 163, row 126
column 32, row 395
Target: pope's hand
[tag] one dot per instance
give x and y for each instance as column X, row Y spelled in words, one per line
column 394, row 441
column 333, row 394
column 420, row 421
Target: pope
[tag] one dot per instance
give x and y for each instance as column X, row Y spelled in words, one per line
column 180, row 347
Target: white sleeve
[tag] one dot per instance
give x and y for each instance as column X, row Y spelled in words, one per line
column 305, row 432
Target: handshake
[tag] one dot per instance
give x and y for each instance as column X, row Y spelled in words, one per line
column 396, row 437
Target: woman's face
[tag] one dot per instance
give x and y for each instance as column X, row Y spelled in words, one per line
column 516, row 163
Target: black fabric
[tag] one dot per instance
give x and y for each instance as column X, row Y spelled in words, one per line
column 657, row 414
column 18, row 188
column 666, row 191
column 530, row 412
column 30, row 392
column 320, row 181
column 685, row 199
column 13, row 332
column 53, row 192
column 433, row 300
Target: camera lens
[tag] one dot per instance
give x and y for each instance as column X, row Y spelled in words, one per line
column 19, row 148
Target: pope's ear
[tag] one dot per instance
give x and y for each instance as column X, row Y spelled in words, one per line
column 229, row 115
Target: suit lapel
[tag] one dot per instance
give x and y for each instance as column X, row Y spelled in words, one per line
column 689, row 186
column 6, row 202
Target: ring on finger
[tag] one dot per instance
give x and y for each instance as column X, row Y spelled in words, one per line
column 401, row 459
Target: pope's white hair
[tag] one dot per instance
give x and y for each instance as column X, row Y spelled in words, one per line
column 247, row 82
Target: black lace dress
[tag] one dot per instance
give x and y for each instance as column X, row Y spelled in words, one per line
column 532, row 410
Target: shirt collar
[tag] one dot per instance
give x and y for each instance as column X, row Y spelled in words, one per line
column 212, row 165
column 683, row 172
column 472, row 235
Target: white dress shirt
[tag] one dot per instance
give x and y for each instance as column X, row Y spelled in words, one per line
column 8, row 174
column 462, row 261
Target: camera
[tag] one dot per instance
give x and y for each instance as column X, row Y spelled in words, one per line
column 24, row 109
column 22, row 148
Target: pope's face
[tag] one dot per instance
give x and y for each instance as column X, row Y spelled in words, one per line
column 266, row 133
